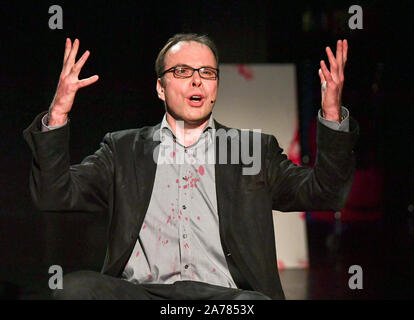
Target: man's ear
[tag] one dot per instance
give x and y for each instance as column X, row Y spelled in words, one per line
column 160, row 89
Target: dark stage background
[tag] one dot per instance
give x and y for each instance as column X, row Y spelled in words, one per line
column 124, row 38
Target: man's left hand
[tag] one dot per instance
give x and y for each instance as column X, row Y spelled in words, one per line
column 332, row 81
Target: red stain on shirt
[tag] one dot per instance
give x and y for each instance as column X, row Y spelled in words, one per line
column 198, row 218
column 201, row 170
column 169, row 218
column 186, row 245
column 149, row 277
column 144, row 227
column 172, row 154
column 176, row 180
column 137, row 254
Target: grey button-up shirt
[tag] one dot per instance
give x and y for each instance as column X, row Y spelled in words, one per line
column 180, row 239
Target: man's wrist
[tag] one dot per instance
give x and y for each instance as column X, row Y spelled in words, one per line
column 55, row 119
column 48, row 127
column 336, row 116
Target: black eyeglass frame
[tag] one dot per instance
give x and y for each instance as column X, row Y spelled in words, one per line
column 172, row 69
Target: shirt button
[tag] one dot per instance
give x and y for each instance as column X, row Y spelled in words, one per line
column 186, row 266
column 184, row 236
column 184, row 207
column 185, row 150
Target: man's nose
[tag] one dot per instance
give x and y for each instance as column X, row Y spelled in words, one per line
column 196, row 79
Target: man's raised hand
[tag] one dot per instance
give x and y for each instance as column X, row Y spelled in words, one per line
column 69, row 84
column 332, row 81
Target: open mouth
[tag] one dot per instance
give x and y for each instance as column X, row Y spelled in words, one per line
column 196, row 98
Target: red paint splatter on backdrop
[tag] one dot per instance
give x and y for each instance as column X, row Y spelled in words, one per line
column 245, row 71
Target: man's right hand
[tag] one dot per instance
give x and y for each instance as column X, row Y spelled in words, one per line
column 68, row 84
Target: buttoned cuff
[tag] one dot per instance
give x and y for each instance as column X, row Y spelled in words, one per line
column 335, row 125
column 45, row 127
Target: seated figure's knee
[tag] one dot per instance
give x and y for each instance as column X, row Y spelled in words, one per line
column 251, row 295
column 79, row 285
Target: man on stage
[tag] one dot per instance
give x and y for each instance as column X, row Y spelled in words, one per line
column 189, row 229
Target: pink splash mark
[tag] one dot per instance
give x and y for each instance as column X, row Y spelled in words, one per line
column 293, row 152
column 172, row 154
column 137, row 254
column 172, row 209
column 149, row 277
column 303, row 263
column 214, row 270
column 176, row 181
column 144, row 227
column 302, row 215
column 280, row 265
column 201, row 170
column 165, row 242
column 185, row 187
column 169, row 218
column 245, row 71
column 186, row 219
column 186, row 245
column 198, row 218
column 168, row 186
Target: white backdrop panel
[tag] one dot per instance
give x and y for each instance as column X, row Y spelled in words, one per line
column 264, row 96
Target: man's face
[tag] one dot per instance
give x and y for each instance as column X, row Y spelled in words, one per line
column 177, row 93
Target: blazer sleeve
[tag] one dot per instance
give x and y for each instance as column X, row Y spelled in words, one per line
column 326, row 186
column 54, row 184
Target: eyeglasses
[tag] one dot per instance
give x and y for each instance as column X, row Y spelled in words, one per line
column 183, row 72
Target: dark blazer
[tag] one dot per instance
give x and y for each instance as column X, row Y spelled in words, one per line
column 118, row 180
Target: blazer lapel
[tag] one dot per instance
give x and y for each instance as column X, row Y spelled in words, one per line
column 228, row 182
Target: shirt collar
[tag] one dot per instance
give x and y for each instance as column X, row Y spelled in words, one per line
column 165, row 124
